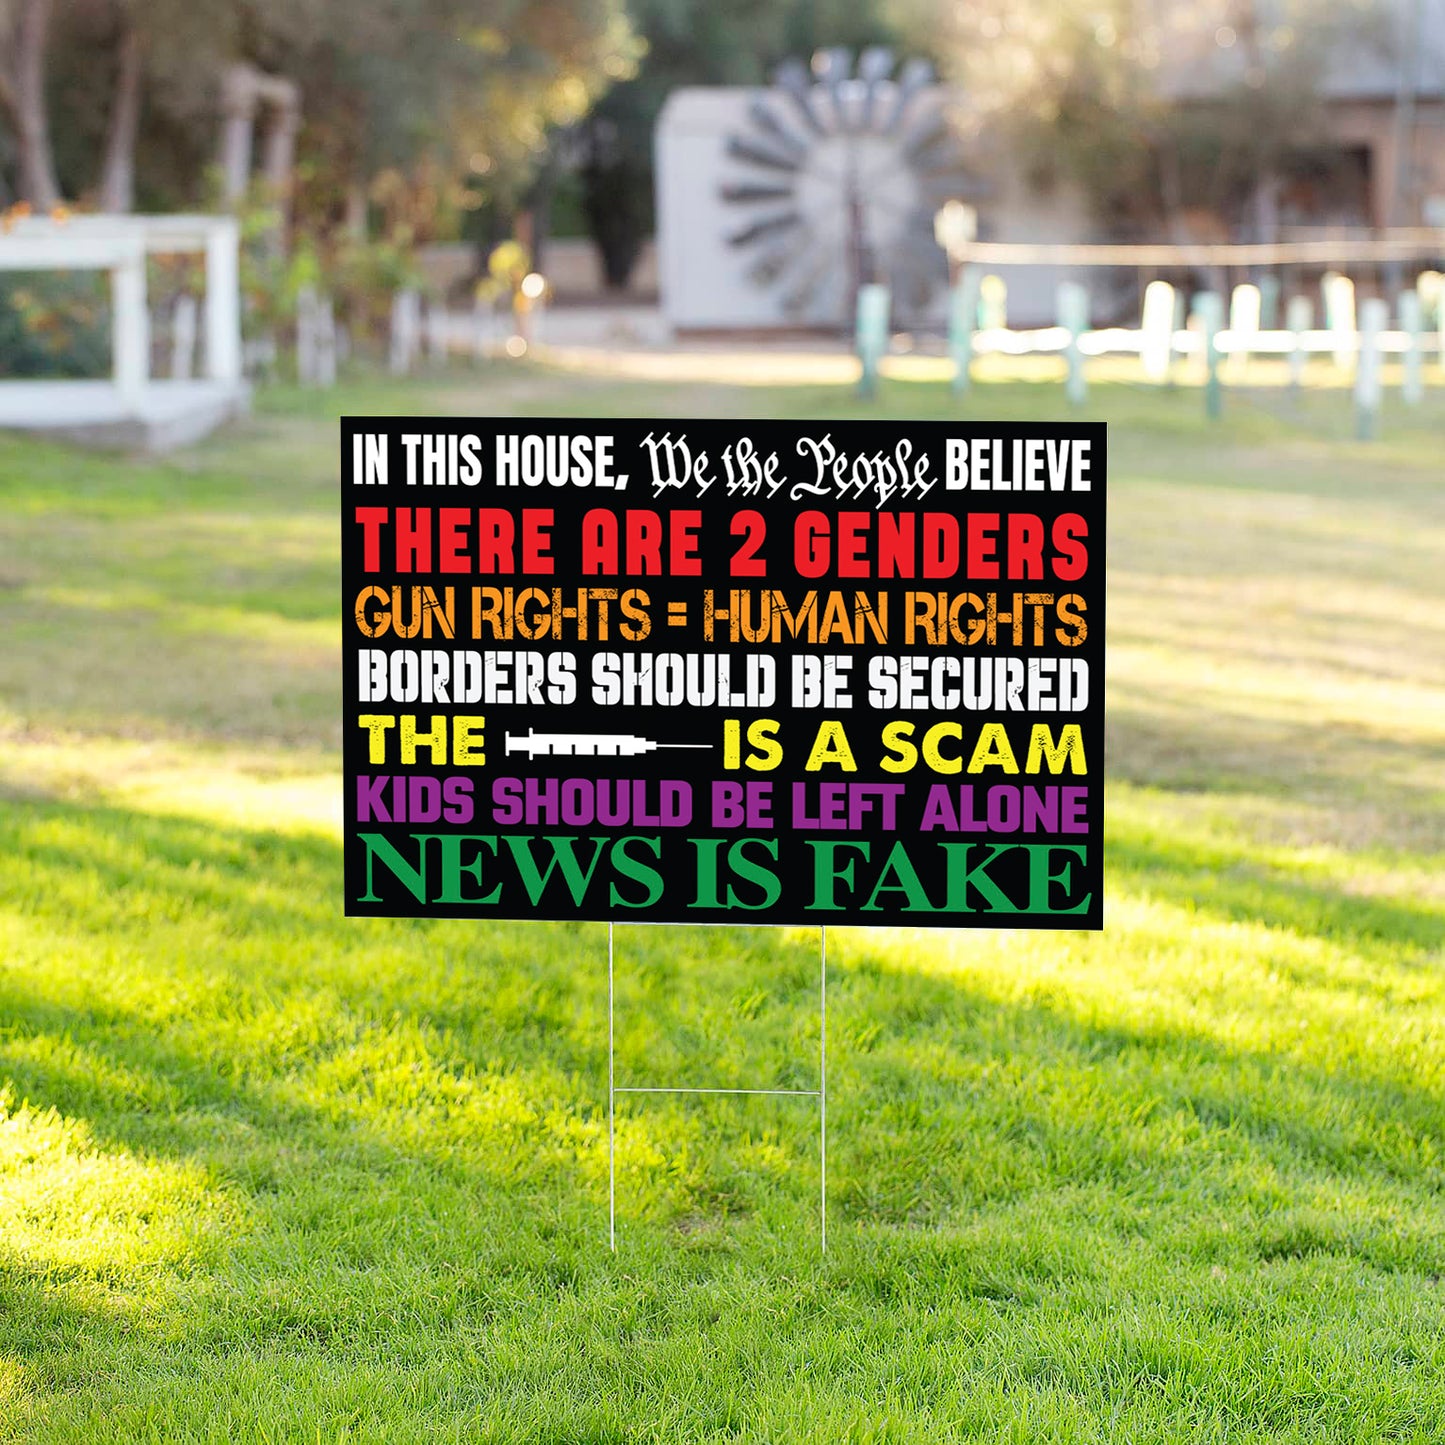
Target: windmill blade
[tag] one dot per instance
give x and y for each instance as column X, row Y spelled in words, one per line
column 797, row 264
column 791, row 78
column 768, row 121
column 775, row 262
column 766, row 226
column 875, row 65
column 806, row 287
column 744, row 192
column 755, row 155
column 833, row 65
column 771, row 264
column 832, row 68
column 916, row 76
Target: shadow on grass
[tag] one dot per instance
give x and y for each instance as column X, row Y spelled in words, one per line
column 1344, row 766
column 1221, row 883
column 193, row 989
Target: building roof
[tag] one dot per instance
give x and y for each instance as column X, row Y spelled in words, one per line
column 1365, row 49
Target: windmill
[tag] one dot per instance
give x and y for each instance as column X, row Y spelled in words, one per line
column 836, row 180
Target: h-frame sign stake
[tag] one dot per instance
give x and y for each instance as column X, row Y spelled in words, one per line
column 820, row 1093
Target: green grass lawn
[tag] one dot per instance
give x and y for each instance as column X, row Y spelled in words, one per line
column 267, row 1174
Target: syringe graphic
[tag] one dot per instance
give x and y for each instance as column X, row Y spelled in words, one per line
column 589, row 745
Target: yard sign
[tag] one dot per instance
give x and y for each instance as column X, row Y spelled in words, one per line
column 696, row 672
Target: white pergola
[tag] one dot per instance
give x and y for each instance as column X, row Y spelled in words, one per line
column 132, row 408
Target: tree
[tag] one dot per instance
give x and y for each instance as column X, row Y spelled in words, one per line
column 1156, row 111
column 693, row 42
column 24, row 42
column 474, row 88
column 384, row 83
column 117, row 173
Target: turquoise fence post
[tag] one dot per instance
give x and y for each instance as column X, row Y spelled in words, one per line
column 1209, row 308
column 1072, row 301
column 872, row 335
column 1431, row 288
column 1299, row 317
column 1269, row 302
column 1374, row 315
column 1412, row 384
column 1181, row 323
column 962, row 321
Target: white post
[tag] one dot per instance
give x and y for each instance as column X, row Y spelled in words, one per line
column 436, row 333
column 481, row 328
column 1157, row 344
column 1412, row 385
column 306, row 321
column 223, row 301
column 1339, row 296
column 992, row 304
column 183, row 338
column 326, row 343
column 1430, row 286
column 1243, row 322
column 130, row 326
column 1299, row 317
column 405, row 322
column 1374, row 316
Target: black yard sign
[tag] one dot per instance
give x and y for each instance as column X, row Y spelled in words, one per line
column 801, row 672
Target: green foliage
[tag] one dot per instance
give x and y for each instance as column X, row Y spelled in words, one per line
column 693, row 42
column 268, row 1174
column 1151, row 110
column 361, row 275
column 54, row 325
column 386, row 87
column 471, row 87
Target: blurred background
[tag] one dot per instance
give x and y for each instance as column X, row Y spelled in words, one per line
column 439, row 177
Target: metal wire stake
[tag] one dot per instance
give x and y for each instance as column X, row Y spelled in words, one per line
column 823, row 1082
column 820, row 1093
column 611, row 1109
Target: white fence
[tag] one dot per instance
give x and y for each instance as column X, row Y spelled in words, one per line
column 1356, row 342
column 132, row 406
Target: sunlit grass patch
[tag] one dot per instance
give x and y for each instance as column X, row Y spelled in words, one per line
column 72, row 1206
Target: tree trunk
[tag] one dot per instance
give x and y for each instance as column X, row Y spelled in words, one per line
column 1264, row 205
column 355, row 222
column 1171, row 192
column 117, row 176
column 37, row 165
column 540, row 204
